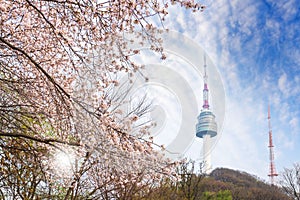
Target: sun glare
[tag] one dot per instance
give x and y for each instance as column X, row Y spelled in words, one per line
column 64, row 161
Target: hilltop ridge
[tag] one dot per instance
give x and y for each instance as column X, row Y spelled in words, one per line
column 242, row 185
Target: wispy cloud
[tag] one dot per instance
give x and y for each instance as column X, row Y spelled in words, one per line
column 283, row 85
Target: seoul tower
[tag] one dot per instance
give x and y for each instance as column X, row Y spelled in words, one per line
column 206, row 127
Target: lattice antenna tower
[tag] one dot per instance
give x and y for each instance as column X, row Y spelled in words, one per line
column 272, row 173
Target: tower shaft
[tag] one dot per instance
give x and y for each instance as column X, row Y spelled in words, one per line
column 272, row 171
column 206, row 154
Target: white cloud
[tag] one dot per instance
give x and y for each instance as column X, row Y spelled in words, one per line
column 287, row 9
column 294, row 122
column 295, row 89
column 289, row 87
column 283, row 140
column 273, row 27
column 282, row 84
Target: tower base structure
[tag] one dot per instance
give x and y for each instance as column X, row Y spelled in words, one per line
column 206, row 154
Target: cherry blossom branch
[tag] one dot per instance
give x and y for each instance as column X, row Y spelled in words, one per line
column 41, row 140
column 50, row 78
column 53, row 28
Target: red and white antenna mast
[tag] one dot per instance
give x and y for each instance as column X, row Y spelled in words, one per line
column 205, row 89
column 272, row 172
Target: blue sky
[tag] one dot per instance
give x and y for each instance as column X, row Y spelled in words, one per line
column 256, row 47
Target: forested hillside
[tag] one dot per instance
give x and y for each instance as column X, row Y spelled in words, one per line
column 221, row 184
column 242, row 185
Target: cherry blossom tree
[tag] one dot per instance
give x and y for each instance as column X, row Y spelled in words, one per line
column 60, row 95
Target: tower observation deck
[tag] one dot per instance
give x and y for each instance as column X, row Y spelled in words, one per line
column 206, row 127
column 206, row 124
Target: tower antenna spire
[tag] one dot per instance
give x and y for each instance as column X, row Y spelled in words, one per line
column 272, row 173
column 205, row 89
